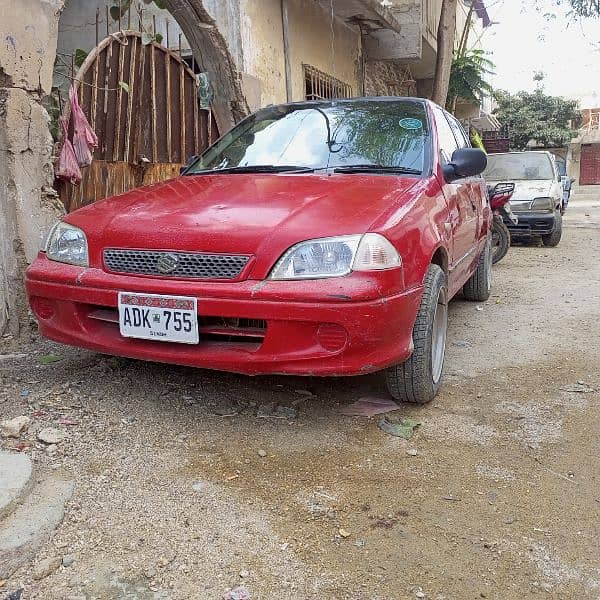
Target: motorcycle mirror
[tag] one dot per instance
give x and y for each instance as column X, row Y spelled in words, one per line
column 502, row 189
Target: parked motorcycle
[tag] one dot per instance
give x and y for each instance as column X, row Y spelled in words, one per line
column 500, row 196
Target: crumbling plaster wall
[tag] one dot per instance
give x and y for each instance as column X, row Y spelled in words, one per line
column 28, row 205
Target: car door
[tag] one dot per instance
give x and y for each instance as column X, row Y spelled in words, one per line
column 476, row 186
column 462, row 210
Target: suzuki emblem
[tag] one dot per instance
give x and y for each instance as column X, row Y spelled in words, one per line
column 167, row 263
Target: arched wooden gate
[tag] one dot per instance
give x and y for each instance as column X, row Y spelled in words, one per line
column 142, row 102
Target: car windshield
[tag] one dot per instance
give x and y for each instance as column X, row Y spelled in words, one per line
column 518, row 166
column 364, row 134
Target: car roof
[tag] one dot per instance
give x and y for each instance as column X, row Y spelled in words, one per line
column 523, row 152
column 356, row 100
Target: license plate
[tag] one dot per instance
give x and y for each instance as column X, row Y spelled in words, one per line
column 159, row 318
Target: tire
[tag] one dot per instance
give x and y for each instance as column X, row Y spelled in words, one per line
column 418, row 379
column 500, row 240
column 553, row 239
column 479, row 286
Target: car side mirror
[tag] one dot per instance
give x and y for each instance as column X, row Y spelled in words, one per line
column 466, row 162
column 190, row 161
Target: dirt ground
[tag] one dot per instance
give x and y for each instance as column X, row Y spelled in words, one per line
column 173, row 499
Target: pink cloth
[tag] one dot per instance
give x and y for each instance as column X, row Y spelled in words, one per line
column 84, row 138
column 67, row 166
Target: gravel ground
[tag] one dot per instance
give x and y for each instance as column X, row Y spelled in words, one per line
column 186, row 485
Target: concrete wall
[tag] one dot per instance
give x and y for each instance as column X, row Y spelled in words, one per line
column 27, row 203
column 310, row 43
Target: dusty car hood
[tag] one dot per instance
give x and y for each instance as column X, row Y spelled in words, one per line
column 527, row 191
column 240, row 213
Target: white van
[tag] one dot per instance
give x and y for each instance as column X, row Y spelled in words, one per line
column 538, row 196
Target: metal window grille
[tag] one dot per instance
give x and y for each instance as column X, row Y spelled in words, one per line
column 321, row 86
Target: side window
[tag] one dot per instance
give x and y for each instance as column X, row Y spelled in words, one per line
column 446, row 138
column 459, row 132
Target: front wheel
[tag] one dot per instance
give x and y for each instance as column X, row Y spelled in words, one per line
column 500, row 240
column 418, row 379
column 553, row 239
column 479, row 286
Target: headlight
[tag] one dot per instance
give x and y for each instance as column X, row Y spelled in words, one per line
column 336, row 256
column 67, row 244
column 546, row 204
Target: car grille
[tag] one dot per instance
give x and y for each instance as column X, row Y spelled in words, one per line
column 175, row 264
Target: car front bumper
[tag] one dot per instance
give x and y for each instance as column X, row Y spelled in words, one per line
column 531, row 223
column 252, row 327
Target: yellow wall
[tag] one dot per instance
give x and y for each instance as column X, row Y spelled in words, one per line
column 310, row 43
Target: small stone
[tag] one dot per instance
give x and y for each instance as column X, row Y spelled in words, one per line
column 344, row 533
column 265, row 410
column 286, row 412
column 306, row 393
column 46, row 567
column 244, row 574
column 67, row 560
column 462, row 344
column 261, row 453
column 150, row 573
column 360, row 543
column 15, row 427
column 226, row 409
column 412, row 452
column 420, row 594
column 49, row 435
column 238, row 593
column 51, row 449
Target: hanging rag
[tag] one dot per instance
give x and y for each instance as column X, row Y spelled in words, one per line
column 84, row 138
column 67, row 166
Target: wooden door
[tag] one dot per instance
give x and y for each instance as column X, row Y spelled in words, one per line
column 142, row 102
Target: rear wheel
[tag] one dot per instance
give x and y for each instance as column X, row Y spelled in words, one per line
column 418, row 378
column 479, row 286
column 500, row 240
column 553, row 239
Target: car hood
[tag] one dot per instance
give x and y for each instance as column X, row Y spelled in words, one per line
column 528, row 190
column 259, row 214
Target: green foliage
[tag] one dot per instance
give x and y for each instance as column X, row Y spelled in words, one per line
column 585, row 8
column 535, row 116
column 80, row 56
column 577, row 8
column 122, row 6
column 467, row 78
column 53, row 107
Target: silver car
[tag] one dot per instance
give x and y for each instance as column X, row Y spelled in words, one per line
column 538, row 196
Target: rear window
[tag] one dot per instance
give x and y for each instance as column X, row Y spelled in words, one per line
column 518, row 167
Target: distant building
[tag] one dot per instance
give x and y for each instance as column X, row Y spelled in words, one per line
column 583, row 159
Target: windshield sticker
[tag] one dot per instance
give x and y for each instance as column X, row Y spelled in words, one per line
column 411, row 124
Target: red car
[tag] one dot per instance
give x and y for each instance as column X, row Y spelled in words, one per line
column 315, row 238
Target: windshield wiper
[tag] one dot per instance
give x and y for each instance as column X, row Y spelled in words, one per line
column 256, row 169
column 376, row 169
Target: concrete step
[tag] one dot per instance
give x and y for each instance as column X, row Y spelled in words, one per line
column 31, row 522
column 15, row 480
